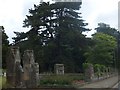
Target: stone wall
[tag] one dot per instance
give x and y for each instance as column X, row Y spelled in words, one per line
column 59, row 69
column 13, row 62
column 89, row 72
column 31, row 69
column 18, row 76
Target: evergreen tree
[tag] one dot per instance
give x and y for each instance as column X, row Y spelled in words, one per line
column 56, row 35
column 5, row 44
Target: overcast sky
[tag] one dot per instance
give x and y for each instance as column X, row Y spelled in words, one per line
column 13, row 12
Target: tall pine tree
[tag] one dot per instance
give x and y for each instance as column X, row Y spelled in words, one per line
column 56, row 35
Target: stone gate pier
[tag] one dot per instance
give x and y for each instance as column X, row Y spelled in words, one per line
column 19, row 76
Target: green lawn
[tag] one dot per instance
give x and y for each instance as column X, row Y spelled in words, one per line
column 59, row 80
column 2, row 81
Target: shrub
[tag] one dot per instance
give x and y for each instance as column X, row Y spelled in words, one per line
column 59, row 80
column 86, row 65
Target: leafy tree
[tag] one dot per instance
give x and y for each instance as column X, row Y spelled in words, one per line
column 5, row 44
column 103, row 50
column 106, row 29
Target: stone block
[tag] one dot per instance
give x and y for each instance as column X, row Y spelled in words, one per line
column 59, row 69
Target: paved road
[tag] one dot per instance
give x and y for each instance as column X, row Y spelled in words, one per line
column 106, row 83
column 117, row 85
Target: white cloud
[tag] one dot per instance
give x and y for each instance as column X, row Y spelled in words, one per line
column 93, row 10
column 12, row 15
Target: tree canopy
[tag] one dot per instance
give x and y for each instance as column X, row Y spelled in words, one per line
column 55, row 35
column 106, row 29
column 5, row 44
column 103, row 50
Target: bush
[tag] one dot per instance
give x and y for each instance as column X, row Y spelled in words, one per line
column 86, row 65
column 59, row 80
column 100, row 67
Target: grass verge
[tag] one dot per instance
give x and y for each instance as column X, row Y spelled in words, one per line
column 59, row 80
column 2, row 82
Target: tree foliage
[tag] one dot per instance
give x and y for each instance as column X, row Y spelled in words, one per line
column 103, row 50
column 5, row 44
column 55, row 35
column 106, row 29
